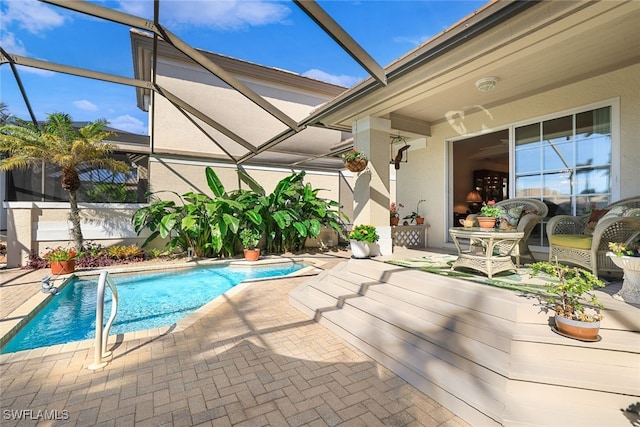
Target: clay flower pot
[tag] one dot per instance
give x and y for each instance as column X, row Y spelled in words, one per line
column 63, row 267
column 487, row 222
column 251, row 254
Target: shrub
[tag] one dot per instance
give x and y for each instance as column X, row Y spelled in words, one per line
column 125, row 252
column 364, row 233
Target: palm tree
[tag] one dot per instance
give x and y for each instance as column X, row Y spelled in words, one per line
column 59, row 143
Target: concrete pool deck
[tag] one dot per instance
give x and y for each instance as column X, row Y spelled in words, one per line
column 251, row 359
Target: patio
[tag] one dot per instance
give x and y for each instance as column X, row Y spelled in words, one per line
column 252, row 360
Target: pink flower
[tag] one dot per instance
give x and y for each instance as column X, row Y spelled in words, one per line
column 491, row 202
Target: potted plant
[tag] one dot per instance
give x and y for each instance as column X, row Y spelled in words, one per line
column 394, row 215
column 627, row 257
column 415, row 216
column 61, row 260
column 360, row 238
column 489, row 213
column 355, row 161
column 250, row 237
column 571, row 289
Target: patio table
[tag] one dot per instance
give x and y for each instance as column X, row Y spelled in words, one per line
column 489, row 250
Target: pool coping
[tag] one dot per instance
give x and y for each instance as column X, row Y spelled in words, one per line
column 25, row 312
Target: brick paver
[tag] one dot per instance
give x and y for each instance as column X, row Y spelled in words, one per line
column 252, row 361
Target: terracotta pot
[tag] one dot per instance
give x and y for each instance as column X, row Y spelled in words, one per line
column 486, row 221
column 63, row 267
column 251, row 254
column 357, row 165
column 577, row 329
column 395, row 220
column 359, row 249
column 419, row 220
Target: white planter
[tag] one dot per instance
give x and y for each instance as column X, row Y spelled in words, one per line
column 359, row 249
column 630, row 291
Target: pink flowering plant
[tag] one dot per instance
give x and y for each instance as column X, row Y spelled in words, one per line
column 394, row 209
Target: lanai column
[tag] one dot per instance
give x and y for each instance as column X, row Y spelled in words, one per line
column 371, row 193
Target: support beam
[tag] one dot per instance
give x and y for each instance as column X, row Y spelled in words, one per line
column 337, row 33
column 76, row 71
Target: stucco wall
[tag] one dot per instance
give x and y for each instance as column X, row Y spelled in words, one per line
column 36, row 226
column 428, row 175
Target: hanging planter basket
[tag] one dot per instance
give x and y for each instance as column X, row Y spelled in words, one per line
column 357, row 165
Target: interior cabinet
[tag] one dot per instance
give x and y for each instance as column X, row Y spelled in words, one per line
column 492, row 185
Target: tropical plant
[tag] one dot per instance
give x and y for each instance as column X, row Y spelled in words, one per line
column 364, row 233
column 59, row 143
column 491, row 210
column 288, row 216
column 293, row 212
column 573, row 286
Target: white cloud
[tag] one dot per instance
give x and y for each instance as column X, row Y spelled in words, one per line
column 128, row 123
column 10, row 44
column 341, row 80
column 85, row 105
column 221, row 14
column 31, row 15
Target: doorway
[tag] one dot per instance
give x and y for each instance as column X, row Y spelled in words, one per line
column 479, row 163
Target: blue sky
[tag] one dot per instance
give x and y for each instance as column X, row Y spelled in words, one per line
column 272, row 33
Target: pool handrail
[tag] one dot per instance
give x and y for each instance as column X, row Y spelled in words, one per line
column 102, row 332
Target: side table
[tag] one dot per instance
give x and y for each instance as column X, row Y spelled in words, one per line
column 492, row 252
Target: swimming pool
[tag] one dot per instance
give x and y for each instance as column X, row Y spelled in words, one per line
column 146, row 301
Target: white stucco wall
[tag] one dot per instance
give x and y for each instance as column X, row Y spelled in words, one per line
column 426, row 175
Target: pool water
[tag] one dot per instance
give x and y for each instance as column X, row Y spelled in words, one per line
column 146, row 301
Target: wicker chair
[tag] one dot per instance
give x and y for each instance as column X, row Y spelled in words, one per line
column 537, row 211
column 568, row 242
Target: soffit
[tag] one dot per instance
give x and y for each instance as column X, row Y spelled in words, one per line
column 549, row 45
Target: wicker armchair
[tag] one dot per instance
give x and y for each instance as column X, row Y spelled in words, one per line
column 538, row 210
column 568, row 242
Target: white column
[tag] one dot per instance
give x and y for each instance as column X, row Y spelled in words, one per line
column 371, row 193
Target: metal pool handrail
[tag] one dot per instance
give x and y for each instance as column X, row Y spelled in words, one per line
column 102, row 333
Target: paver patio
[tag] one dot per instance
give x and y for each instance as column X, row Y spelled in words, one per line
column 253, row 360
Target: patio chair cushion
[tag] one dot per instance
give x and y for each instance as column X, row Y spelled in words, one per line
column 576, row 241
column 596, row 214
column 509, row 220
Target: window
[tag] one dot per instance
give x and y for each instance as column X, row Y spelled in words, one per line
column 98, row 185
column 566, row 161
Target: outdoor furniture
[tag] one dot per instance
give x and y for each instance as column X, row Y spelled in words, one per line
column 531, row 212
column 489, row 250
column 577, row 240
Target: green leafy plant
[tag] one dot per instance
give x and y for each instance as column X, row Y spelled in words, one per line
column 61, row 254
column 250, row 238
column 364, row 233
column 574, row 286
column 491, row 210
column 622, row 249
column 352, row 155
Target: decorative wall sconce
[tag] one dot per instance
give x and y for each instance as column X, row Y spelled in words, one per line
column 398, row 157
column 485, row 84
